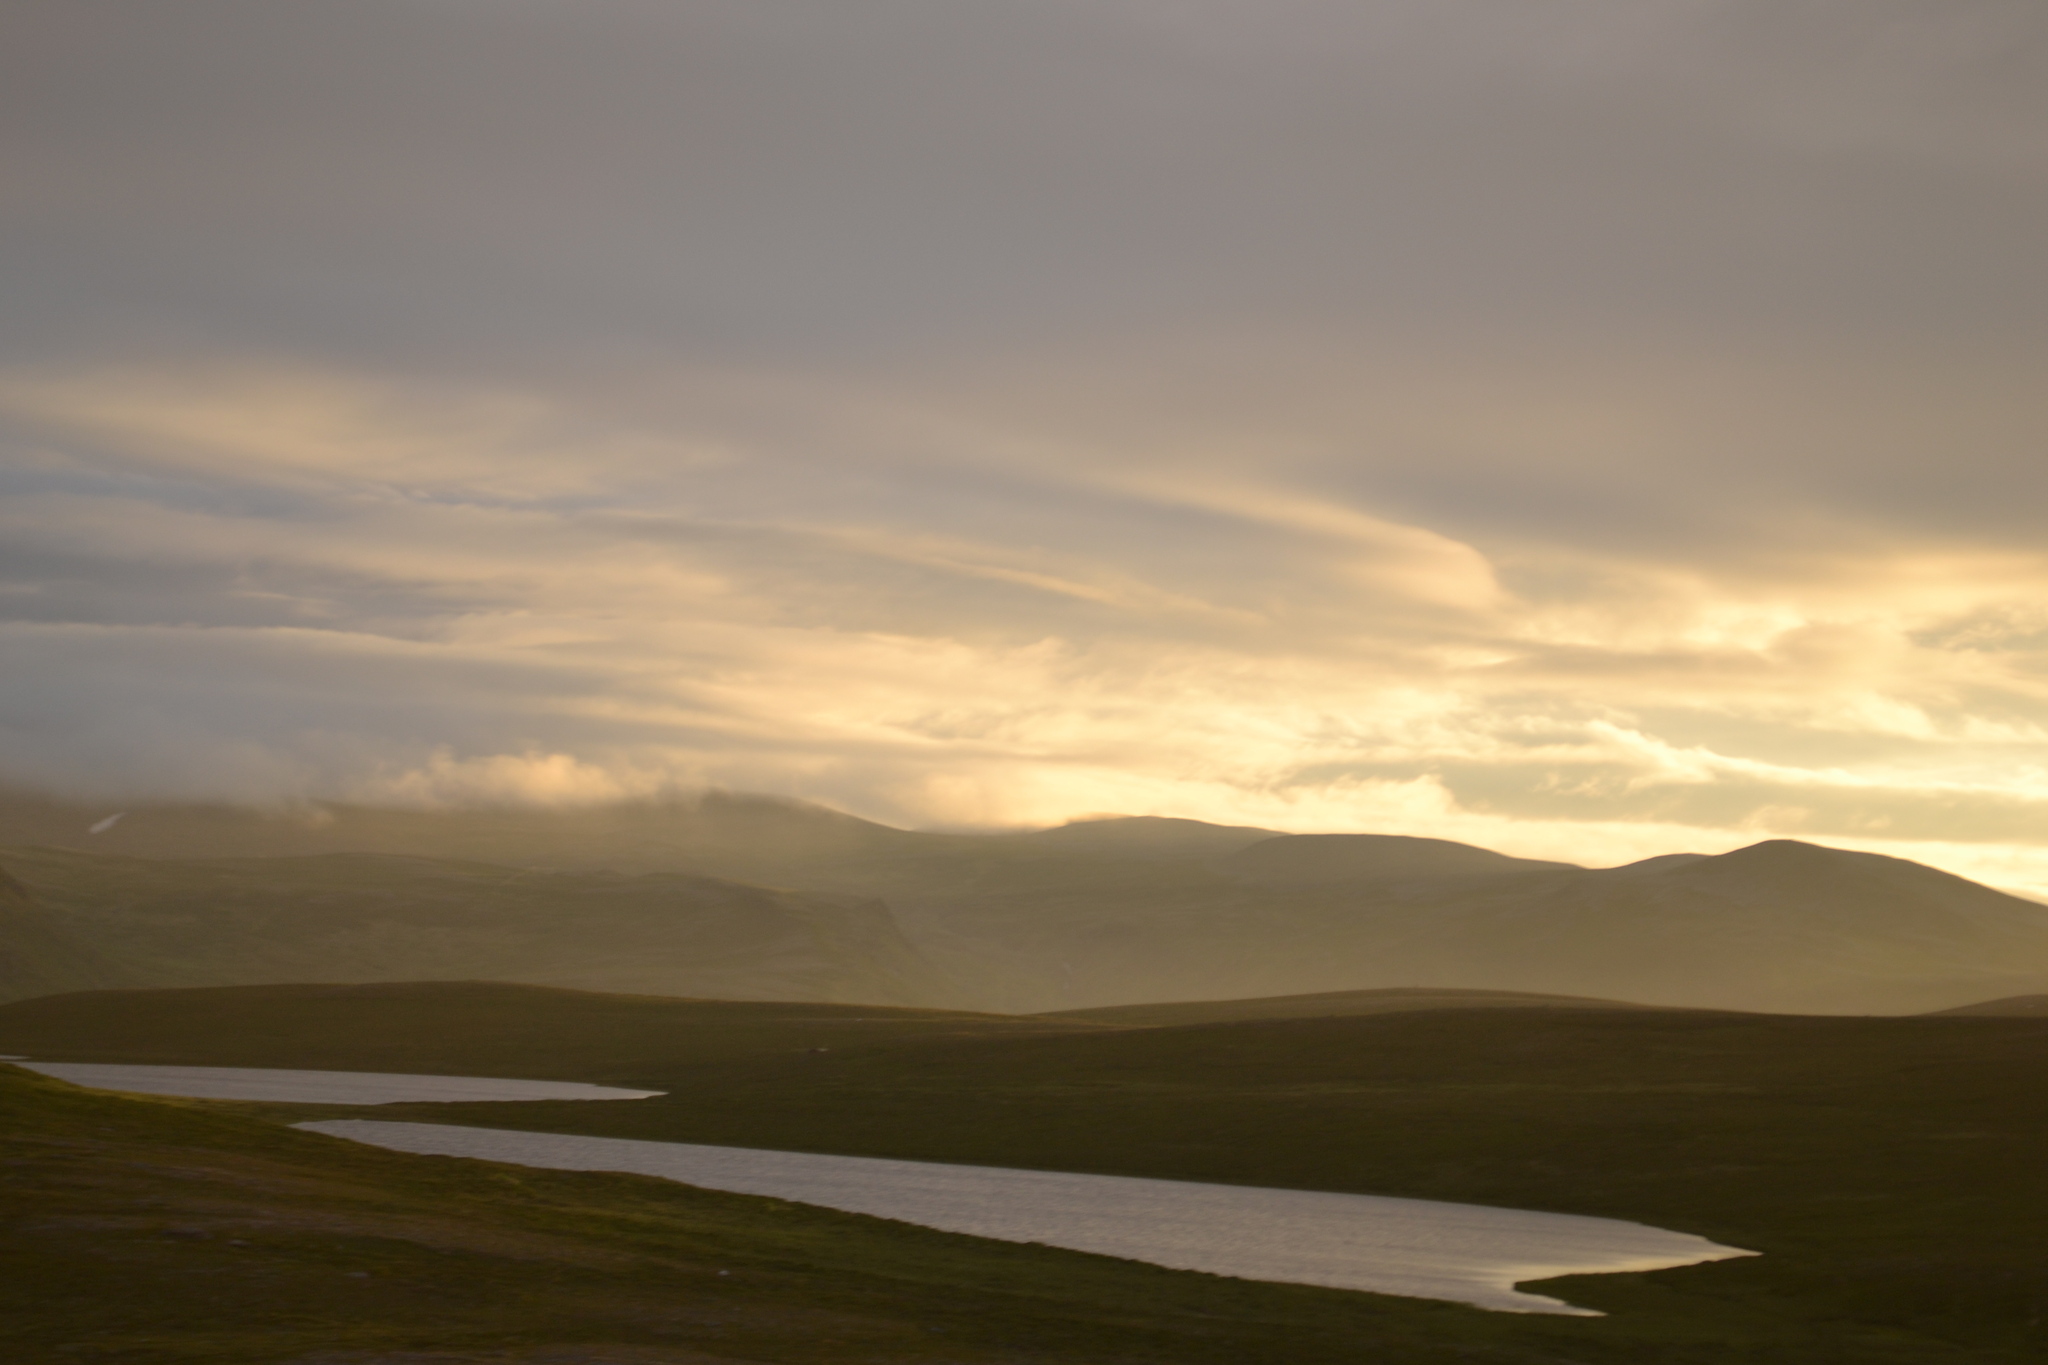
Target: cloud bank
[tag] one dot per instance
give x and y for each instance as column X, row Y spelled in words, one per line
column 1592, row 430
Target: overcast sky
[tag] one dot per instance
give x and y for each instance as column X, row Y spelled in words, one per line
column 1589, row 428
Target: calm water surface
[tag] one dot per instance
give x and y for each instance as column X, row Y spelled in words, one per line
column 318, row 1087
column 1422, row 1248
column 1416, row 1247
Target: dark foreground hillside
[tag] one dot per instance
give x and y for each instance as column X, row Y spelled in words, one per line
column 159, row 1232
column 168, row 1233
column 1889, row 1170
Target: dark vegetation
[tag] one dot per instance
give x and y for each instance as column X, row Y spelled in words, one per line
column 160, row 1231
column 1889, row 1169
column 471, row 1028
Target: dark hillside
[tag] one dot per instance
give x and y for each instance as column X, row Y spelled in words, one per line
column 168, row 1233
column 1888, row 1169
column 1121, row 911
column 479, row 1028
column 1780, row 926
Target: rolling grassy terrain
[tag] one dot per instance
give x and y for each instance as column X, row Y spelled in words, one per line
column 1889, row 1169
column 1125, row 911
column 382, row 917
column 178, row 1233
column 473, row 1028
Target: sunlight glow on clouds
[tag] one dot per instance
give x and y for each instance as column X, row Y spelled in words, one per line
column 350, row 636
column 1590, row 432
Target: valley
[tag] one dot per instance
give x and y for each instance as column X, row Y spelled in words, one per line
column 1828, row 1057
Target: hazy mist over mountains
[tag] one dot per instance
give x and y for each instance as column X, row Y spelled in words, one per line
column 732, row 896
column 1595, row 430
column 1585, row 429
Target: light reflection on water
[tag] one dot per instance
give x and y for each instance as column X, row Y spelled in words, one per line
column 1421, row 1248
column 1468, row 1253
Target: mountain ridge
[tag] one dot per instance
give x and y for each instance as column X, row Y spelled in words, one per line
column 393, row 917
column 1137, row 910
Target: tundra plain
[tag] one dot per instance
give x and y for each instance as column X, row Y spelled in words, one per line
column 1887, row 1168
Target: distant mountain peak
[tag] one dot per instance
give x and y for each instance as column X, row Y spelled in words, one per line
column 1663, row 862
column 1794, row 857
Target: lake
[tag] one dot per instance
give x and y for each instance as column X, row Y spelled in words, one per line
column 1421, row 1248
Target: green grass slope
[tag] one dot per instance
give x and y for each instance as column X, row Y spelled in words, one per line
column 1889, row 1169
column 371, row 917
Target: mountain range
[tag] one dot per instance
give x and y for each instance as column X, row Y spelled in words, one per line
column 731, row 896
column 77, row 921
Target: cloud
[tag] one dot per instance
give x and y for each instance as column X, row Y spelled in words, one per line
column 1589, row 429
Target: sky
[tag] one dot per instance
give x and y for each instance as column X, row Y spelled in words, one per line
column 1587, row 428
